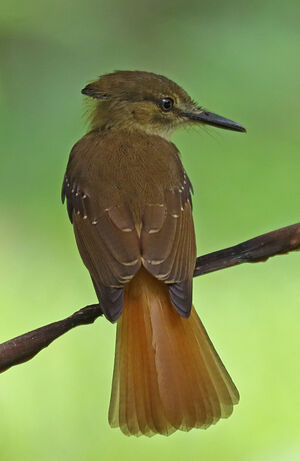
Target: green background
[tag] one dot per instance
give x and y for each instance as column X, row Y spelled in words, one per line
column 238, row 59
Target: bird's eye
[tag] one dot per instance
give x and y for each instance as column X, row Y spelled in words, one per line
column 166, row 104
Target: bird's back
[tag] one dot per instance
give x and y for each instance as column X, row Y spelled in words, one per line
column 123, row 167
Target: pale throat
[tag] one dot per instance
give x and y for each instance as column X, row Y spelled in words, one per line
column 162, row 131
column 107, row 121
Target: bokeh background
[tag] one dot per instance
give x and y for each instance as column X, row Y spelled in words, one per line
column 238, row 59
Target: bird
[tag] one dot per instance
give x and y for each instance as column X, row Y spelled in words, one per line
column 129, row 199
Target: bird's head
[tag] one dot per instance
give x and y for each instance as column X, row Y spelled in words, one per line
column 148, row 102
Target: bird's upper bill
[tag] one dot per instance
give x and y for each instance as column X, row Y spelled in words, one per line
column 208, row 118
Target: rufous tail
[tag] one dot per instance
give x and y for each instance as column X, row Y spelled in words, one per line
column 167, row 374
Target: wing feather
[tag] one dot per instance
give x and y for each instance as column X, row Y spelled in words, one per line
column 108, row 244
column 168, row 245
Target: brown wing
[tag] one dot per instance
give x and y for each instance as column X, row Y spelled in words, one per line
column 108, row 205
column 168, row 244
column 106, row 237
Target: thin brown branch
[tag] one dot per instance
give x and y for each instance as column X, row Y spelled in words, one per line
column 258, row 249
column 25, row 347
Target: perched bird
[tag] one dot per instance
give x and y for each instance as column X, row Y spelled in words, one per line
column 129, row 199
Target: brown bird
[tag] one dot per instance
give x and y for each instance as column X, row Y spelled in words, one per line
column 129, row 199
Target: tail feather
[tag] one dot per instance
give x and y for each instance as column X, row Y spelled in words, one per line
column 167, row 374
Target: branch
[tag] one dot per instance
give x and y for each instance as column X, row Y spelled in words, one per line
column 281, row 241
column 25, row 347
column 255, row 250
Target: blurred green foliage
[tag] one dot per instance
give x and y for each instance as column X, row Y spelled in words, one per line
column 238, row 59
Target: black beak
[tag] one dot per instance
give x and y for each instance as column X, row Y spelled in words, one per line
column 215, row 120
